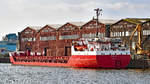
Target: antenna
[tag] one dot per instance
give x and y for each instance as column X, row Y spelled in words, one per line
column 98, row 12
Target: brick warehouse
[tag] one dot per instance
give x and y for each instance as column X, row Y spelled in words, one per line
column 56, row 39
column 27, row 37
column 124, row 28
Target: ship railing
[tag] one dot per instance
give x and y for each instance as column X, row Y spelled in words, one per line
column 22, row 53
column 99, row 49
column 59, row 59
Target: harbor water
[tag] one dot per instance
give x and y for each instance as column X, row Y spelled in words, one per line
column 10, row 74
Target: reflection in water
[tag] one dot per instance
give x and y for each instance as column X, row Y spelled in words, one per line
column 53, row 75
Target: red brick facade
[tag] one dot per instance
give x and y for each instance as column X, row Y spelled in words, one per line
column 57, row 42
column 27, row 39
column 91, row 28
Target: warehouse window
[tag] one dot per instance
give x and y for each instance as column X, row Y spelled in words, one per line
column 148, row 32
column 122, row 33
column 89, row 35
column 117, row 26
column 111, row 34
column 121, row 26
column 91, row 26
column 28, row 39
column 47, row 30
column 28, row 32
column 135, row 34
column 127, row 33
column 148, row 24
column 117, row 33
column 114, row 34
column 130, row 25
column 101, row 34
column 87, row 27
column 48, row 38
column 71, row 28
column 144, row 32
column 69, row 37
column 67, row 28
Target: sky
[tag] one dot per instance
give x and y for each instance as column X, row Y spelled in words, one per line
column 16, row 15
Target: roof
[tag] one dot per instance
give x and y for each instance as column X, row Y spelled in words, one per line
column 35, row 27
column 79, row 24
column 136, row 20
column 108, row 21
column 56, row 26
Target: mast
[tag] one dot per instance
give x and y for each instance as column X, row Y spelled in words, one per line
column 98, row 12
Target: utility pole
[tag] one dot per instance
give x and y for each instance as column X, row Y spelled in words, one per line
column 98, row 12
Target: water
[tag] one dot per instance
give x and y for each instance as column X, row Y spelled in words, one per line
column 53, row 75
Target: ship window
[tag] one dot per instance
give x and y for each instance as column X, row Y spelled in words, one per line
column 102, row 53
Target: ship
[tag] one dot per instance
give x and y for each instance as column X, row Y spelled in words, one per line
column 99, row 52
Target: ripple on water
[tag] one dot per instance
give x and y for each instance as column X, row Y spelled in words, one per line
column 54, row 75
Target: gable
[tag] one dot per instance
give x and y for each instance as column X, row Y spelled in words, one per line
column 68, row 27
column 123, row 24
column 47, row 29
column 28, row 31
column 92, row 24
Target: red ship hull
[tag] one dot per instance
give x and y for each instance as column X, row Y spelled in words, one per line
column 82, row 61
column 100, row 61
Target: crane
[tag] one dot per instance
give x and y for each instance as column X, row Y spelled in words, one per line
column 138, row 47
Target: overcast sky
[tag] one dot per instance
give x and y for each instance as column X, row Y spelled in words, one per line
column 15, row 15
